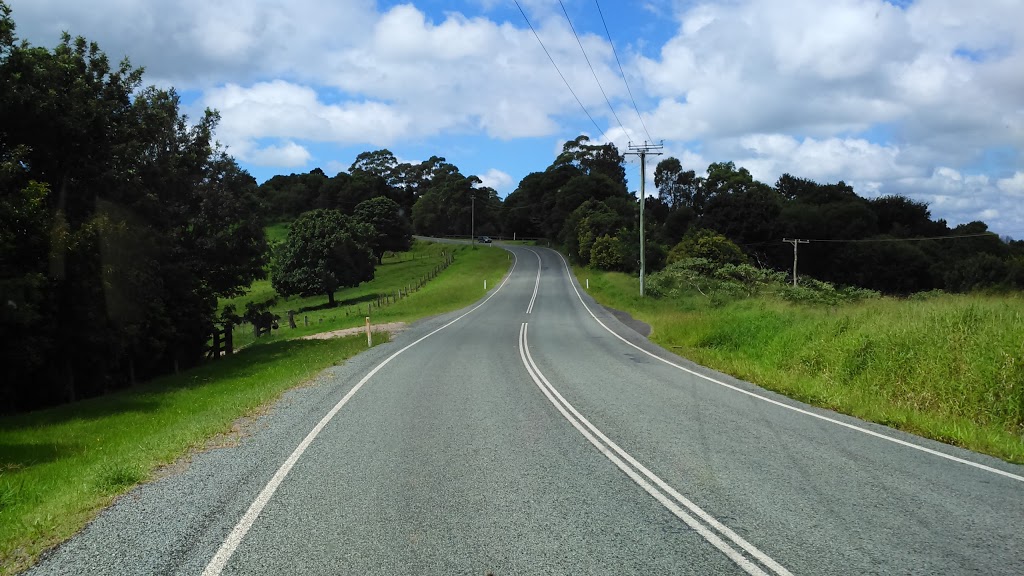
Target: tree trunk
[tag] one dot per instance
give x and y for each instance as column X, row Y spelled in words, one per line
column 330, row 299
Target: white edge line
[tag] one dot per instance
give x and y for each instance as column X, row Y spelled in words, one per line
column 234, row 539
column 784, row 405
column 738, row 558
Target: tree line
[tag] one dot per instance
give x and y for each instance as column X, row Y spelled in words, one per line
column 581, row 202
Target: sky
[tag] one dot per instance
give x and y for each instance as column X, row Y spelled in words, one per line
column 923, row 98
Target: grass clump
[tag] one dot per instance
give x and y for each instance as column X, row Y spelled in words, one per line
column 948, row 367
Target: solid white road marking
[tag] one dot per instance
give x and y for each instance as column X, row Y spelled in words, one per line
column 613, row 452
column 782, row 404
column 536, row 285
column 227, row 549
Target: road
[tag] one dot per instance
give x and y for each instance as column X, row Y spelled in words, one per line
column 535, row 434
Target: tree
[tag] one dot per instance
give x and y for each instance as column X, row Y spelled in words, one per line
column 676, row 187
column 591, row 159
column 123, row 224
column 392, row 231
column 325, row 251
column 709, row 245
column 591, row 220
column 606, row 253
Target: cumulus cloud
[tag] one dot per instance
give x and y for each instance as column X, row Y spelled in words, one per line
column 288, row 154
column 887, row 97
column 496, row 179
column 281, row 109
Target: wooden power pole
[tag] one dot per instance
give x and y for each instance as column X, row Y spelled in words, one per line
column 642, row 150
column 795, row 242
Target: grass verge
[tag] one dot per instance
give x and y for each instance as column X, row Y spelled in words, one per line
column 947, row 367
column 60, row 467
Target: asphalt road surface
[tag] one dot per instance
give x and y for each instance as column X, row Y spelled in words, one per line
column 535, row 434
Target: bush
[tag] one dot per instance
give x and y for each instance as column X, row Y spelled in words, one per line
column 709, row 245
column 606, row 253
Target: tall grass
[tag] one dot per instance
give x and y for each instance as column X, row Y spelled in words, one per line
column 949, row 367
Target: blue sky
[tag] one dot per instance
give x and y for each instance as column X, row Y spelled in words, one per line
column 921, row 98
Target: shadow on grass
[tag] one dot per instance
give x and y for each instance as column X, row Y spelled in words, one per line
column 20, row 455
column 338, row 303
column 147, row 397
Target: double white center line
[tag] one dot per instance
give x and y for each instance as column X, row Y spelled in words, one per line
column 744, row 554
column 536, row 285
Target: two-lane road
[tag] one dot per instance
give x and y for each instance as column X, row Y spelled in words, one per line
column 534, row 434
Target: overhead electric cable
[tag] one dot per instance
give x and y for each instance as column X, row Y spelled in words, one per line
column 521, row 11
column 621, row 71
column 870, row 240
column 592, row 71
column 909, row 239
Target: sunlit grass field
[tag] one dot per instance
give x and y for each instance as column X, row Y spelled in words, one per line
column 948, row 367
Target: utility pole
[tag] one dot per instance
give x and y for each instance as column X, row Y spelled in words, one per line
column 472, row 218
column 642, row 150
column 795, row 242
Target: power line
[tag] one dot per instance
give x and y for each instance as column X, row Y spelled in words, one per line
column 521, row 11
column 908, row 239
column 621, row 71
column 592, row 71
column 869, row 240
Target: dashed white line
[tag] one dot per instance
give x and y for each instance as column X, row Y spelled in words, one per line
column 230, row 544
column 784, row 405
column 620, row 457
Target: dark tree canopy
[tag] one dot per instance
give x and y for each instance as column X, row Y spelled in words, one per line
column 325, row 251
column 392, row 231
column 128, row 223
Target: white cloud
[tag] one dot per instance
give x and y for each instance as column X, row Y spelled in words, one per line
column 1013, row 186
column 287, row 154
column 497, row 179
column 883, row 97
column 281, row 109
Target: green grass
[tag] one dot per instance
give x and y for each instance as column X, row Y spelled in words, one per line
column 948, row 367
column 277, row 232
column 60, row 467
column 459, row 285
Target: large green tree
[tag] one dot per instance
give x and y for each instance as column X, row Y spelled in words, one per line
column 392, row 231
column 129, row 224
column 325, row 251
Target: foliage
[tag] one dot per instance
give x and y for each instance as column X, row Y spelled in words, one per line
column 707, row 244
column 606, row 253
column 456, row 205
column 392, row 231
column 325, row 251
column 127, row 224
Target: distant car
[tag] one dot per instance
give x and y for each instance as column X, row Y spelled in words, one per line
column 484, row 239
